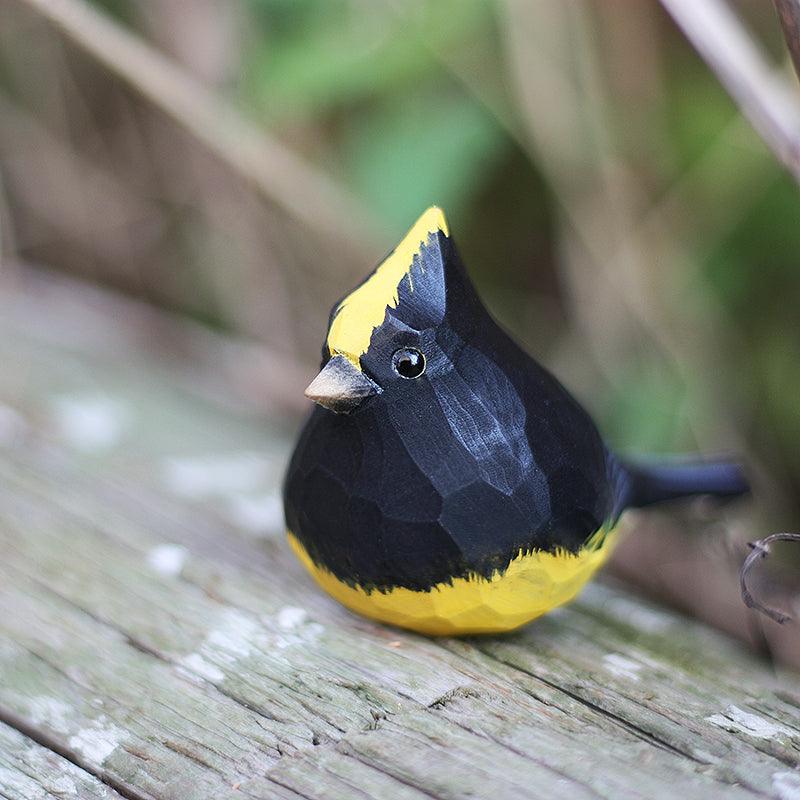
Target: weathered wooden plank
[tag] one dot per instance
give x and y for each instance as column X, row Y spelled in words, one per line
column 95, row 330
column 29, row 771
column 136, row 594
column 155, row 628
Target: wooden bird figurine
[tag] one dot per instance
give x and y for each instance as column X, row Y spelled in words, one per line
column 445, row 481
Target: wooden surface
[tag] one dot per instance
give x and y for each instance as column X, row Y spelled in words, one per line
column 158, row 639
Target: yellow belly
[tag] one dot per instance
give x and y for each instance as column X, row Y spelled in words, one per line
column 532, row 584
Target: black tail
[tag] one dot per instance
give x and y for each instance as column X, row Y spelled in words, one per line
column 641, row 484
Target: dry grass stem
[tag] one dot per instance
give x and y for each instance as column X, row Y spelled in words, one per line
column 280, row 175
column 789, row 16
column 763, row 96
column 761, row 549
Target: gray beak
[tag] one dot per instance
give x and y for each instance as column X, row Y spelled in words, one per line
column 340, row 386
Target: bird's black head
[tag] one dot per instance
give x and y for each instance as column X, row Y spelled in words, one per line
column 450, row 450
column 393, row 332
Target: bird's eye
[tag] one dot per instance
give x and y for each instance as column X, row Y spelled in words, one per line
column 408, row 362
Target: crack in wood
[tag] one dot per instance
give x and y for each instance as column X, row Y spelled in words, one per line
column 626, row 724
column 632, row 728
column 384, row 717
column 528, row 756
column 289, row 788
column 145, row 649
column 187, row 752
column 463, row 692
column 394, row 776
column 52, row 743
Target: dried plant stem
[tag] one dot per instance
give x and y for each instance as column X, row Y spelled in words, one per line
column 761, row 94
column 789, row 16
column 606, row 248
column 760, row 549
column 278, row 173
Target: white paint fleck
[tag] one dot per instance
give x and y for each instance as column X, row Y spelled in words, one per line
column 63, row 786
column 12, row 425
column 50, row 712
column 75, row 673
column 21, row 785
column 67, row 783
column 646, row 619
column 217, row 475
column 256, row 514
column 622, row 667
column 234, row 637
column 7, row 651
column 98, row 741
column 786, row 785
column 291, row 617
column 237, row 636
column 738, row 721
column 294, row 628
column 196, row 664
column 91, row 423
column 168, row 559
column 231, row 640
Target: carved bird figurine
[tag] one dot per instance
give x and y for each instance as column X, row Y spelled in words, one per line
column 445, row 481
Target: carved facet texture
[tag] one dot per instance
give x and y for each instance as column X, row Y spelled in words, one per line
column 528, row 587
column 472, row 495
column 453, row 473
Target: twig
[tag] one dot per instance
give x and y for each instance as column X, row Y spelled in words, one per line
column 760, row 549
column 278, row 173
column 789, row 16
column 761, row 94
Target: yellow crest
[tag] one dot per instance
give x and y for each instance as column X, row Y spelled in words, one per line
column 364, row 308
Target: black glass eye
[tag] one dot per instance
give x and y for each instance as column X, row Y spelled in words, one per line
column 408, row 362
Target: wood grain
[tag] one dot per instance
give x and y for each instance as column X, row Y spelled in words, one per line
column 32, row 772
column 158, row 640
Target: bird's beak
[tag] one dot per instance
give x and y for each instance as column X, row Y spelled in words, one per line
column 340, row 386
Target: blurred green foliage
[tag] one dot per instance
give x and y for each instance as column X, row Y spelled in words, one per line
column 409, row 104
column 403, row 132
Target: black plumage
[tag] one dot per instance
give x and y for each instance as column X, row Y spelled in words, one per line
column 453, row 472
